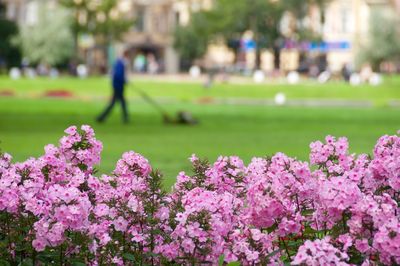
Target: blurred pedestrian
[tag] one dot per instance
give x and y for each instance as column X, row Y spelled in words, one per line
column 139, row 63
column 346, row 72
column 366, row 72
column 119, row 81
column 313, row 71
column 212, row 70
column 211, row 73
column 152, row 64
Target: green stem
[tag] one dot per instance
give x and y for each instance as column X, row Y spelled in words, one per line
column 286, row 249
column 61, row 256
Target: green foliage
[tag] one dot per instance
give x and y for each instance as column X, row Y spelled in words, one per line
column 100, row 18
column 231, row 19
column 50, row 39
column 129, row 257
column 191, row 41
column 300, row 9
column 261, row 129
column 384, row 40
column 8, row 52
column 228, row 20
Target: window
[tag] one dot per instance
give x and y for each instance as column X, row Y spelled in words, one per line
column 140, row 19
column 345, row 18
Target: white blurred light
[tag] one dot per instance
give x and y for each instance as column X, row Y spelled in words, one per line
column 280, row 98
column 101, row 17
column 194, row 71
column 355, row 79
column 54, row 73
column 375, row 79
column 114, row 13
column 124, row 6
column 82, row 17
column 258, row 76
column 93, row 4
column 324, row 77
column 30, row 73
column 15, row 73
column 82, row 71
column 293, row 77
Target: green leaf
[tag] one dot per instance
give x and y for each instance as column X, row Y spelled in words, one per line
column 78, row 263
column 151, row 254
column 4, row 263
column 129, row 256
column 273, row 253
column 221, row 260
column 46, row 257
column 26, row 262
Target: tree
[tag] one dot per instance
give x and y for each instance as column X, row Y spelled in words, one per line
column 300, row 10
column 384, row 40
column 9, row 53
column 230, row 19
column 50, row 39
column 101, row 19
column 191, row 41
column 227, row 21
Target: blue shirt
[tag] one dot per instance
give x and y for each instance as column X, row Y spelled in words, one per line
column 118, row 75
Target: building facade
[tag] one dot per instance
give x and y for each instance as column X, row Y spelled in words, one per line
column 348, row 21
column 153, row 31
column 345, row 29
column 151, row 34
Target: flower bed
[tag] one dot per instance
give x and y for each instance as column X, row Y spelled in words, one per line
column 338, row 209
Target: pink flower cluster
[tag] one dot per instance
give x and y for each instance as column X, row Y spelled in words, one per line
column 338, row 209
column 320, row 252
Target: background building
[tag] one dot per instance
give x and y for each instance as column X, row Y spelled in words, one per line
column 155, row 24
column 345, row 29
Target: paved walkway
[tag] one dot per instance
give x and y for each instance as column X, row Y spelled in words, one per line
column 299, row 102
column 394, row 103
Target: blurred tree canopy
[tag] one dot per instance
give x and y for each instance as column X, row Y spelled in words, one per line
column 232, row 18
column 384, row 40
column 191, row 41
column 228, row 20
column 49, row 40
column 299, row 9
column 9, row 54
column 102, row 19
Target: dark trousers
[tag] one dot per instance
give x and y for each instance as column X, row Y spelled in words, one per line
column 117, row 96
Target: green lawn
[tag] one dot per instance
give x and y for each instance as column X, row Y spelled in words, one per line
column 28, row 123
column 183, row 91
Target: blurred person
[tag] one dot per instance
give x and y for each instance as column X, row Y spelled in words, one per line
column 212, row 70
column 139, row 63
column 346, row 72
column 25, row 63
column 152, row 65
column 211, row 73
column 72, row 67
column 119, row 81
column 366, row 72
column 42, row 69
column 313, row 71
column 225, row 74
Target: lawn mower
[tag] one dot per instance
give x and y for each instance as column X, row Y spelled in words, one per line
column 182, row 117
